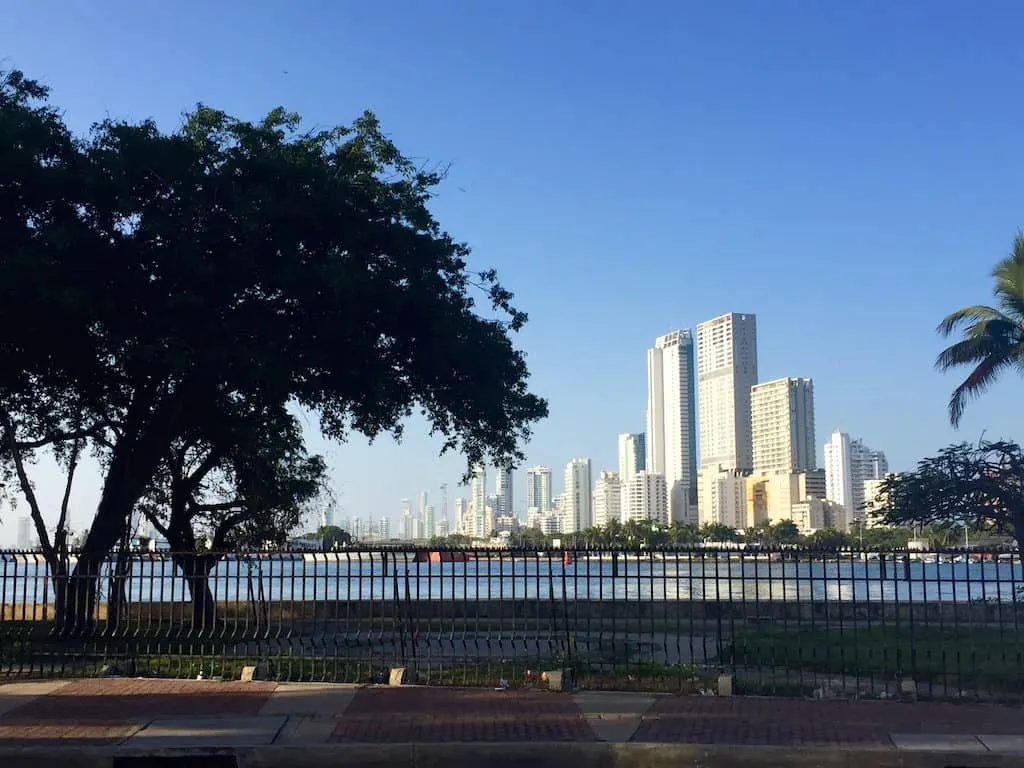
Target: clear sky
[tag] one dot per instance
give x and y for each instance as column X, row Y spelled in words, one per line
column 848, row 171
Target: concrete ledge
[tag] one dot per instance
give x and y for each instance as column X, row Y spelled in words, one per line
column 498, row 755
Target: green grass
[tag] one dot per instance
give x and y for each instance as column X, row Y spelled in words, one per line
column 968, row 656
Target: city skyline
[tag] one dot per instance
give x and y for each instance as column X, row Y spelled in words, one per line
column 763, row 453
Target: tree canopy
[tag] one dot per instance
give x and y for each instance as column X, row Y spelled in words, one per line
column 980, row 485
column 147, row 278
column 993, row 337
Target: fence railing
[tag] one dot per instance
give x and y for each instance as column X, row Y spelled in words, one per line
column 795, row 620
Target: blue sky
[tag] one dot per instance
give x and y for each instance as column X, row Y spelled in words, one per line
column 850, row 172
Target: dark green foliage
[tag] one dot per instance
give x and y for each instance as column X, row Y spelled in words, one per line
column 979, row 485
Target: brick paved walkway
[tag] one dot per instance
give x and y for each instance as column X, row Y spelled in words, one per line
column 794, row 722
column 133, row 700
column 109, row 711
column 440, row 715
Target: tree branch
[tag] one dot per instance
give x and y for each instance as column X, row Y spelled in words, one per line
column 60, row 535
column 94, row 432
column 27, row 489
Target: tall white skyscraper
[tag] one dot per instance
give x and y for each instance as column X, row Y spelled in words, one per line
column 726, row 372
column 607, row 499
column 463, row 521
column 848, row 464
column 407, row 530
column 645, row 497
column 671, row 438
column 538, row 489
column 577, row 513
column 478, row 499
column 24, row 533
column 632, row 454
column 429, row 522
column 503, row 490
column 782, row 425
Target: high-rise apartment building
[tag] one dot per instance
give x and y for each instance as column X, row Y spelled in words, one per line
column 671, row 438
column 24, row 533
column 463, row 520
column 538, row 489
column 632, row 454
column 782, row 425
column 726, row 372
column 478, row 499
column 848, row 464
column 503, row 490
column 429, row 522
column 645, row 497
column 406, row 520
column 577, row 513
column 607, row 499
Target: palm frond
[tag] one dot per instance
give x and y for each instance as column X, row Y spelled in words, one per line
column 974, row 314
column 1009, row 276
column 969, row 351
column 975, row 385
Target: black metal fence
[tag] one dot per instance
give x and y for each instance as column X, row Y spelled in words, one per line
column 793, row 621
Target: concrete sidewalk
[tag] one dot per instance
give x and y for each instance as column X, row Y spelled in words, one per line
column 105, row 721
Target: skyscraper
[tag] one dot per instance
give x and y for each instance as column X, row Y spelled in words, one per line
column 848, row 464
column 726, row 372
column 463, row 523
column 632, row 454
column 644, row 497
column 538, row 489
column 577, row 513
column 607, row 499
column 407, row 528
column 671, row 443
column 503, row 490
column 24, row 533
column 429, row 522
column 478, row 499
column 782, row 425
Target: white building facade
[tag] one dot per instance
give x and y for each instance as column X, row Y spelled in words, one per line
column 503, row 490
column 671, row 437
column 726, row 373
column 577, row 512
column 848, row 465
column 607, row 499
column 632, row 454
column 782, row 425
column 538, row 489
column 478, row 500
column 645, row 497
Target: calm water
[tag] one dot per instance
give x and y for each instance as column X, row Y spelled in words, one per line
column 366, row 577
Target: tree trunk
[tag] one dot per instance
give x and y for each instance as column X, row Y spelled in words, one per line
column 196, row 569
column 126, row 481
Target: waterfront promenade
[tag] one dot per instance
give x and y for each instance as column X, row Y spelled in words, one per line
column 92, row 722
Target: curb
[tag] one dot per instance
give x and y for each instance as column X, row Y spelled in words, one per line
column 498, row 755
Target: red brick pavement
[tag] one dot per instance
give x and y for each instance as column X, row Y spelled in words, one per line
column 450, row 715
column 134, row 700
column 796, row 722
column 64, row 734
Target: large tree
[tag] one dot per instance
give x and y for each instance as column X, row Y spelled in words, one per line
column 981, row 486
column 145, row 276
column 993, row 337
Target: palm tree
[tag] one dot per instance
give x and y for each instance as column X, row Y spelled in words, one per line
column 993, row 337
